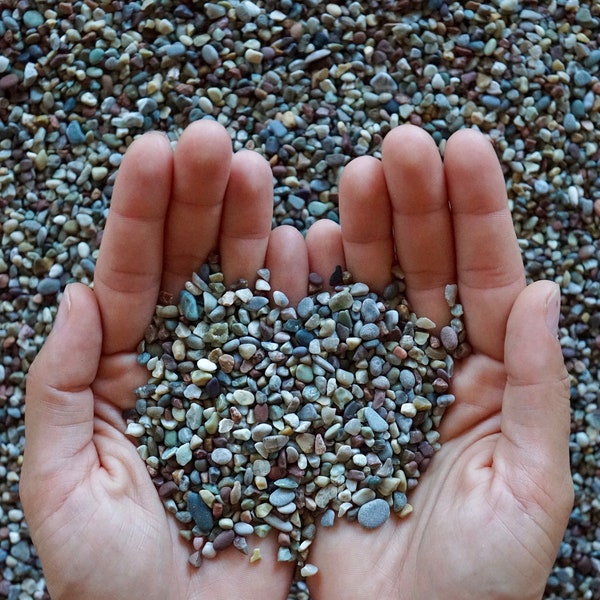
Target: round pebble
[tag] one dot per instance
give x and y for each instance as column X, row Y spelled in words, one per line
column 374, row 513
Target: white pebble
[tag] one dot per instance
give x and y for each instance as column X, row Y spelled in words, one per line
column 135, row 430
column 308, row 570
column 206, row 365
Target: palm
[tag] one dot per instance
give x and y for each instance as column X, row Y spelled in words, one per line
column 100, row 527
column 491, row 509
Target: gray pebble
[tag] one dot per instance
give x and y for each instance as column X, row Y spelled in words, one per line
column 373, row 514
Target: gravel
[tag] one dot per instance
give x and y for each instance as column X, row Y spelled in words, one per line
column 310, row 86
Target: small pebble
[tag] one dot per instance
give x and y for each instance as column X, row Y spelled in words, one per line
column 373, row 514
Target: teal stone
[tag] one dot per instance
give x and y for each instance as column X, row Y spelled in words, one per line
column 189, row 306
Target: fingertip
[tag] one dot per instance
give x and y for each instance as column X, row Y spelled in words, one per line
column 406, row 135
column 469, row 151
column 325, row 248
column 287, row 259
column 532, row 350
column 147, row 158
column 206, row 136
column 69, row 358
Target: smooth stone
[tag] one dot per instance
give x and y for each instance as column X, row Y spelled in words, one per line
column 189, row 306
column 223, row 540
column 449, row 338
column 328, row 518
column 341, row 300
column 280, row 497
column 209, row 54
column 304, row 373
column 200, row 512
column 375, row 421
column 33, row 18
column 308, row 413
column 221, row 456
column 279, row 524
column 369, row 310
column 243, row 529
column 374, row 513
column 383, row 82
column 183, row 455
column 75, row 133
column 305, row 307
column 407, row 379
column 370, row 331
column 48, row 286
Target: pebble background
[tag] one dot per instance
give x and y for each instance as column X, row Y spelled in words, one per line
column 310, row 85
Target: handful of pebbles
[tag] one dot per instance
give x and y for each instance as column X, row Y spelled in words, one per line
column 260, row 416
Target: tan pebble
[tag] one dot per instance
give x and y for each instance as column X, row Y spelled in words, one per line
column 255, row 556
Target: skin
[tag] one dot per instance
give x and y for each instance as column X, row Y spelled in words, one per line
column 490, row 512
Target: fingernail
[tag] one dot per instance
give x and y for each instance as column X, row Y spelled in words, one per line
column 553, row 310
column 63, row 310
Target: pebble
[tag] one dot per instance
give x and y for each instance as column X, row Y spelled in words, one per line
column 373, row 514
column 75, row 134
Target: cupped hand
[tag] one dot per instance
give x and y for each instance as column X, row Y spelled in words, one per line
column 491, row 509
column 95, row 518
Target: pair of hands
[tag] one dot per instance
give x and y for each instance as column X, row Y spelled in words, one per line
column 493, row 506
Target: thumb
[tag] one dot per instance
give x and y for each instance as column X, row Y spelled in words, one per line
column 535, row 409
column 59, row 403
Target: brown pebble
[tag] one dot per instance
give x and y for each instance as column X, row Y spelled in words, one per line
column 224, row 540
column 261, row 413
column 168, row 488
column 9, row 81
column 226, row 362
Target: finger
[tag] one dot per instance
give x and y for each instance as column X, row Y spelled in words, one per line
column 325, row 248
column 60, row 404
column 128, row 273
column 365, row 216
column 535, row 409
column 202, row 162
column 247, row 216
column 489, row 264
column 422, row 225
column 287, row 260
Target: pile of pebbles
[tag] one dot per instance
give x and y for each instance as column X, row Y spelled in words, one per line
column 310, row 85
column 260, row 416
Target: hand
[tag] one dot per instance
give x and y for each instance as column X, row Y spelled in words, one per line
column 493, row 506
column 97, row 522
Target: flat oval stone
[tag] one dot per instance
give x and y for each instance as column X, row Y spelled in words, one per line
column 221, row 456
column 242, row 528
column 407, row 379
column 449, row 338
column 281, row 497
column 224, row 540
column 243, row 397
column 373, row 514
